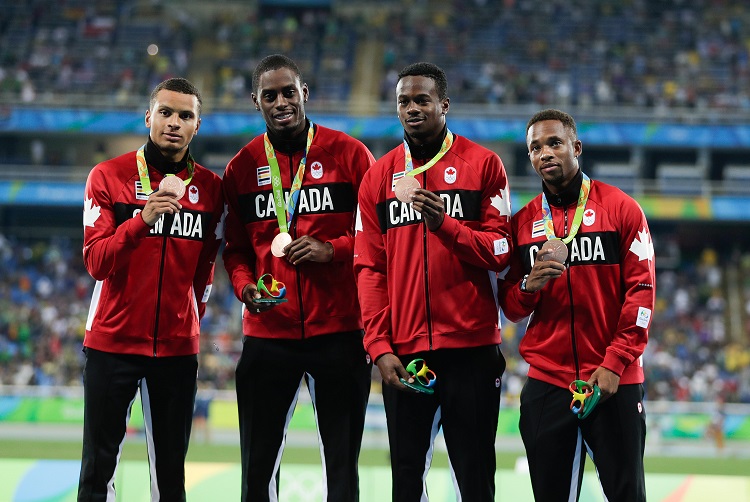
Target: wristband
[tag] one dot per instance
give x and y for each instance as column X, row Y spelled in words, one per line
column 523, row 283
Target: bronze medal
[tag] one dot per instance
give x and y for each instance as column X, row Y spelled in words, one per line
column 174, row 185
column 405, row 188
column 559, row 251
column 279, row 243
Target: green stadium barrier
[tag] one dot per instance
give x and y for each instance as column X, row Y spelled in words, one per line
column 223, row 415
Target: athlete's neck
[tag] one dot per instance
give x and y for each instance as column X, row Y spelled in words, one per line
column 289, row 144
column 156, row 159
column 427, row 150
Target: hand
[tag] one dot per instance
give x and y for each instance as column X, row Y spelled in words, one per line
column 543, row 271
column 430, row 206
column 608, row 382
column 250, row 293
column 391, row 370
column 308, row 248
column 158, row 203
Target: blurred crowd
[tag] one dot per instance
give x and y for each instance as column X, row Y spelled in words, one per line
column 660, row 55
column 45, row 294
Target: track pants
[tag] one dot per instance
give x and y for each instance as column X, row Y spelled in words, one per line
column 110, row 383
column 556, row 441
column 269, row 376
column 465, row 404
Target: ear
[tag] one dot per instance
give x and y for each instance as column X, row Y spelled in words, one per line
column 148, row 119
column 255, row 101
column 577, row 148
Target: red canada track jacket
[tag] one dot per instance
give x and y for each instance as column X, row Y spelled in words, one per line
column 322, row 297
column 599, row 311
column 423, row 290
column 152, row 282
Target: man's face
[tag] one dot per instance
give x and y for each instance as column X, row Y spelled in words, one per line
column 173, row 122
column 553, row 152
column 420, row 110
column 281, row 98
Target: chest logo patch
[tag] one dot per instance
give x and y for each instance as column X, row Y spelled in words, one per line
column 193, row 194
column 589, row 217
column 264, row 176
column 450, row 175
column 316, row 169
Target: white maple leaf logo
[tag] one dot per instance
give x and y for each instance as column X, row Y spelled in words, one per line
column 502, row 202
column 643, row 246
column 91, row 213
column 220, row 227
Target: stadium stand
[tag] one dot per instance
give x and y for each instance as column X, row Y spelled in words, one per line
column 657, row 55
column 45, row 296
column 612, row 60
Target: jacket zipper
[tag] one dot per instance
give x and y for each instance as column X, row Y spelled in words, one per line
column 426, row 272
column 572, row 311
column 158, row 292
column 296, row 269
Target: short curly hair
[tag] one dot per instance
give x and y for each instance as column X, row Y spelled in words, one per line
column 428, row 70
column 552, row 114
column 180, row 85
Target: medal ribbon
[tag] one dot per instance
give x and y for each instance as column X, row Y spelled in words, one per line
column 285, row 217
column 409, row 164
column 140, row 159
column 583, row 196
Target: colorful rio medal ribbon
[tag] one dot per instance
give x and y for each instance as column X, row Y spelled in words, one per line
column 272, row 291
column 559, row 246
column 424, row 378
column 170, row 183
column 406, row 186
column 585, row 398
column 285, row 211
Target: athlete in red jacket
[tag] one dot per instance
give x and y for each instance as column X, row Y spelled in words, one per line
column 152, row 254
column 590, row 314
column 317, row 334
column 425, row 270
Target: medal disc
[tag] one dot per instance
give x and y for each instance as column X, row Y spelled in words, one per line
column 559, row 251
column 173, row 184
column 405, row 188
column 279, row 243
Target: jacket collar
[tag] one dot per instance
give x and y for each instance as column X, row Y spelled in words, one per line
column 426, row 151
column 568, row 196
column 289, row 145
column 155, row 159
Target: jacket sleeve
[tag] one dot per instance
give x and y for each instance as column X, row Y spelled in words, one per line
column 360, row 161
column 489, row 246
column 515, row 304
column 107, row 247
column 238, row 255
column 637, row 271
column 204, row 273
column 370, row 264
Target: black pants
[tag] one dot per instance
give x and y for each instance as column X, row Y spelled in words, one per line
column 465, row 404
column 269, row 377
column 556, row 442
column 110, row 383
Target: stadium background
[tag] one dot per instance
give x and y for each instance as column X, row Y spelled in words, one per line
column 660, row 92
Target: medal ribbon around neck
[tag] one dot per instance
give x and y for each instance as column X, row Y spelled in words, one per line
column 583, row 196
column 140, row 159
column 409, row 164
column 285, row 217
